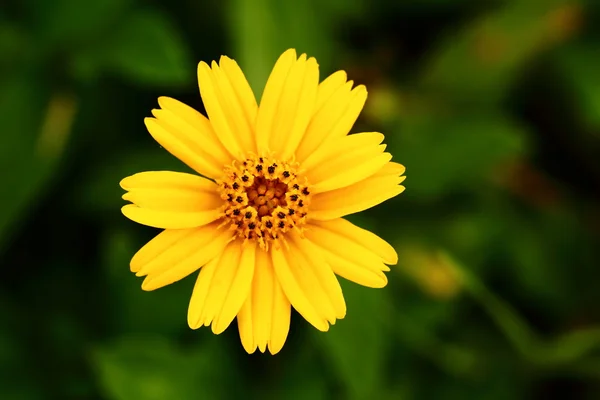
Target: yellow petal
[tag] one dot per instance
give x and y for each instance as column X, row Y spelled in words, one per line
column 392, row 168
column 200, row 292
column 167, row 179
column 328, row 87
column 360, row 196
column 353, row 271
column 246, row 326
column 222, row 287
column 301, row 287
column 219, row 286
column 189, row 137
column 188, row 251
column 157, row 246
column 333, row 150
column 176, row 143
column 262, row 300
column 196, row 128
column 242, row 89
column 342, row 231
column 264, row 320
column 344, row 170
column 218, row 113
column 239, row 108
column 267, row 112
column 166, row 219
column 239, row 288
column 171, row 200
column 324, row 275
column 334, row 119
column 280, row 325
column 353, row 253
column 172, row 192
column 286, row 106
column 296, row 107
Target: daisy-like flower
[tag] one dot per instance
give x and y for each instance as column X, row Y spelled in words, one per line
column 262, row 220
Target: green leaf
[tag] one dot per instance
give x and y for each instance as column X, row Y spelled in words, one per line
column 356, row 347
column 142, row 368
column 147, row 49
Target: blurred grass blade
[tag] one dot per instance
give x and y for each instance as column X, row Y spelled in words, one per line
column 253, row 30
column 263, row 29
column 569, row 348
column 516, row 330
column 36, row 129
column 453, row 359
column 57, row 126
column 357, row 346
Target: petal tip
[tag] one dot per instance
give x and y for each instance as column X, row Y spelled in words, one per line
column 250, row 348
column 274, row 349
column 289, row 52
column 147, row 285
column 193, row 323
column 203, row 65
column 126, row 208
column 127, row 197
column 360, row 90
column 163, row 100
column 392, row 258
column 123, row 183
column 150, row 122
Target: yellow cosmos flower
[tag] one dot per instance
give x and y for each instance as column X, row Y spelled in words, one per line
column 262, row 220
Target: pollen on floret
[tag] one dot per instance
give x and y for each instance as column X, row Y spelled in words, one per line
column 264, row 198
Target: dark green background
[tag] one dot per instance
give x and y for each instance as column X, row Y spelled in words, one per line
column 494, row 108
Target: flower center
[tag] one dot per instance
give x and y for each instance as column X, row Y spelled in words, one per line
column 264, row 199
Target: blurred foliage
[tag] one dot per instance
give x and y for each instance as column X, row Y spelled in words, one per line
column 494, row 107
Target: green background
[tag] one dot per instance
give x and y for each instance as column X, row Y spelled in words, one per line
column 493, row 107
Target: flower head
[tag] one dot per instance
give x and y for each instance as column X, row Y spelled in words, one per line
column 262, row 219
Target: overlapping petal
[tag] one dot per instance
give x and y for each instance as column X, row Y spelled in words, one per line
column 338, row 107
column 377, row 188
column 264, row 320
column 175, row 253
column 188, row 135
column 222, row 287
column 309, row 284
column 352, row 252
column 230, row 105
column 170, row 200
column 287, row 104
column 344, row 161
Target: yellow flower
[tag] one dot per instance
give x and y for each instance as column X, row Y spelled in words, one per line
column 262, row 220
